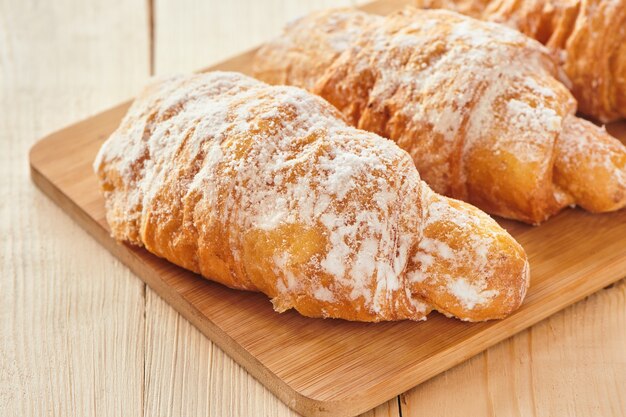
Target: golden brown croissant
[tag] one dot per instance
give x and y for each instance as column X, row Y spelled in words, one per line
column 476, row 105
column 267, row 189
column 588, row 37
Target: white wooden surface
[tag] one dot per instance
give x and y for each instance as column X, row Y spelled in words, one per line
column 72, row 338
column 79, row 335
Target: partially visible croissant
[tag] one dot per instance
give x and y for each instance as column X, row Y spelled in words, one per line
column 267, row 189
column 477, row 105
column 588, row 36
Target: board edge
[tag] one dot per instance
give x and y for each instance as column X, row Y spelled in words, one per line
column 293, row 398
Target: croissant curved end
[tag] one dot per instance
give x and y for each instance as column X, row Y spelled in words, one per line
column 467, row 265
column 590, row 165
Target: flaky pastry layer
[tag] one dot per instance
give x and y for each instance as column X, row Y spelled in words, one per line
column 587, row 36
column 477, row 105
column 267, row 189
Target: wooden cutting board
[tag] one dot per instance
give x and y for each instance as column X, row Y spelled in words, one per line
column 334, row 367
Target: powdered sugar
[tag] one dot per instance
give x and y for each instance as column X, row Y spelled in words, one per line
column 536, row 119
column 448, row 89
column 447, row 74
column 531, row 83
column 428, row 246
column 250, row 168
column 470, row 295
column 303, row 166
column 604, row 155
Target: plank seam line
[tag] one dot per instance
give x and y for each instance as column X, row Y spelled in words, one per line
column 151, row 31
column 145, row 350
column 151, row 67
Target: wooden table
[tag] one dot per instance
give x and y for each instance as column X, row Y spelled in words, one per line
column 80, row 335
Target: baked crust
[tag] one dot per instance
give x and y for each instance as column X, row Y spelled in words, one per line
column 587, row 36
column 477, row 105
column 267, row 189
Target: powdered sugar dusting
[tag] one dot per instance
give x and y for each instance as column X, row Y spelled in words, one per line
column 456, row 93
column 444, row 75
column 588, row 151
column 586, row 36
column 470, row 295
column 536, row 118
column 441, row 265
column 302, row 165
column 278, row 185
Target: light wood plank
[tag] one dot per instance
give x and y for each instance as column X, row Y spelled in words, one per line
column 189, row 35
column 187, row 375
column 192, row 34
column 195, row 377
column 571, row 364
column 71, row 316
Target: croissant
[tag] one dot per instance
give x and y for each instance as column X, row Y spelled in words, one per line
column 587, row 36
column 476, row 105
column 267, row 189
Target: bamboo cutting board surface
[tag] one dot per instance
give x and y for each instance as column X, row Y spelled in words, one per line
column 333, row 367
